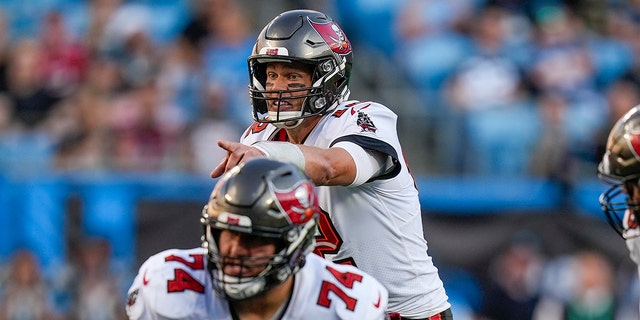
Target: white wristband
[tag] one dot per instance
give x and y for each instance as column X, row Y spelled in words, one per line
column 282, row 151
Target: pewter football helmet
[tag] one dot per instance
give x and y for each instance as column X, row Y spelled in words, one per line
column 307, row 38
column 268, row 199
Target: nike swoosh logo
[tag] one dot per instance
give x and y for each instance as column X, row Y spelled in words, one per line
column 377, row 304
column 145, row 281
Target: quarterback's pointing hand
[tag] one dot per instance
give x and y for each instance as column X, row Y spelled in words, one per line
column 236, row 153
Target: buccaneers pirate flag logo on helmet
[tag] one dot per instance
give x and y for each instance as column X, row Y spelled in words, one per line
column 333, row 36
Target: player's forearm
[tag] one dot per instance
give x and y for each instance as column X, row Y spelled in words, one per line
column 328, row 167
column 325, row 167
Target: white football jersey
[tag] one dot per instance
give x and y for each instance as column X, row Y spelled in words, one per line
column 377, row 225
column 175, row 284
column 631, row 234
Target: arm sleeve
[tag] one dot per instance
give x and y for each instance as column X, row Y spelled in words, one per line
column 369, row 163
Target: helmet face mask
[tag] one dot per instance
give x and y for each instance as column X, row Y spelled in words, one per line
column 303, row 38
column 266, row 202
column 620, row 167
column 621, row 211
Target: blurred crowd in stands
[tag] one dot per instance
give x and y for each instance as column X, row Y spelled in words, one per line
column 481, row 87
column 487, row 87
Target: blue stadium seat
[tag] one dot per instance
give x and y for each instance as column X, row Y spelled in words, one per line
column 40, row 219
column 584, row 197
column 473, row 195
column 109, row 212
column 6, row 224
column 501, row 139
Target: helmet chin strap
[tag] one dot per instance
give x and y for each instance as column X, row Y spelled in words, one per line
column 239, row 290
column 286, row 115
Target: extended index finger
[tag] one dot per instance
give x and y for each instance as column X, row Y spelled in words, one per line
column 230, row 146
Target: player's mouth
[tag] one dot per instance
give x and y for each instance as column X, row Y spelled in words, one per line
column 236, row 270
column 281, row 105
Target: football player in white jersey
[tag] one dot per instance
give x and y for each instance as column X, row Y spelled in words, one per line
column 620, row 167
column 256, row 260
column 299, row 71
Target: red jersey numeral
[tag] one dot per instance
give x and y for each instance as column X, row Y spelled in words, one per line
column 346, row 279
column 182, row 279
column 255, row 128
column 328, row 241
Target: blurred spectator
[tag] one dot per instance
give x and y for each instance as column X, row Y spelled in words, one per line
column 563, row 63
column 514, row 277
column 98, row 15
column 24, row 294
column 225, row 61
column 488, row 77
column 589, row 290
column 611, row 46
column 484, row 90
column 129, row 41
column 551, row 157
column 218, row 42
column 568, row 140
column 621, row 96
column 143, row 132
column 6, row 112
column 182, row 78
column 430, row 42
column 622, row 24
column 5, row 41
column 64, row 58
column 561, row 59
column 97, row 292
column 30, row 106
column 212, row 128
column 82, row 121
column 370, row 23
column 25, row 87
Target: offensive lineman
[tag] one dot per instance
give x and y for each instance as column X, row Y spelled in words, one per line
column 256, row 260
column 620, row 167
column 299, row 71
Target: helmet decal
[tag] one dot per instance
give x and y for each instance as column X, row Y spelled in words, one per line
column 234, row 219
column 333, row 36
column 274, row 51
column 298, row 202
column 634, row 143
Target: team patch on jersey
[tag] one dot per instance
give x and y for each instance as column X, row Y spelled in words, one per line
column 365, row 122
column 133, row 296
